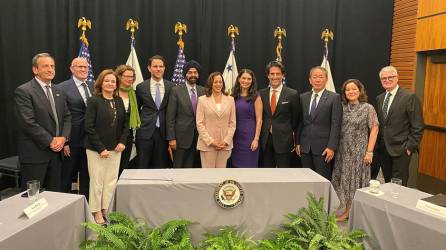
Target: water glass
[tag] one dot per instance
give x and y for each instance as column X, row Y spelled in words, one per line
column 33, row 190
column 395, row 187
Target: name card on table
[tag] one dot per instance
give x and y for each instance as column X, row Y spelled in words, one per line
column 434, row 204
column 35, row 208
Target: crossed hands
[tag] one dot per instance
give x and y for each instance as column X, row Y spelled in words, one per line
column 57, row 143
column 219, row 145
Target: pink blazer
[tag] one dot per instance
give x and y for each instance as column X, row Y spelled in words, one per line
column 213, row 125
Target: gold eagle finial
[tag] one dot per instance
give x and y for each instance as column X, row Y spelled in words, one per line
column 232, row 31
column 83, row 23
column 326, row 36
column 279, row 33
column 180, row 28
column 133, row 26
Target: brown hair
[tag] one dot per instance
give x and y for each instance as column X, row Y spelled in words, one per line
column 362, row 94
column 100, row 80
column 275, row 64
column 123, row 68
column 157, row 57
column 210, row 82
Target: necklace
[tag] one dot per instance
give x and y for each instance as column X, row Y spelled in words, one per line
column 112, row 110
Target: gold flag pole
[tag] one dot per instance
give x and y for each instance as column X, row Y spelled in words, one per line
column 83, row 23
column 326, row 36
column 132, row 26
column 232, row 32
column 180, row 28
column 279, row 33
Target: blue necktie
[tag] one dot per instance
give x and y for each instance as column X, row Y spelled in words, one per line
column 313, row 105
column 158, row 102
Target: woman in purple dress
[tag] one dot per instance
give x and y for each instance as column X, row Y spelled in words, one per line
column 248, row 105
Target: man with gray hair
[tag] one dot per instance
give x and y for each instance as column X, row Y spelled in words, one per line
column 400, row 126
column 44, row 125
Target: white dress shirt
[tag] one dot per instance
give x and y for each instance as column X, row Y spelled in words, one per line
column 318, row 98
column 153, row 89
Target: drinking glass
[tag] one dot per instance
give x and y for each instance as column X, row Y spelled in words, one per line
column 395, row 187
column 33, row 190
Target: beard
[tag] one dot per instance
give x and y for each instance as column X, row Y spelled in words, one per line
column 192, row 80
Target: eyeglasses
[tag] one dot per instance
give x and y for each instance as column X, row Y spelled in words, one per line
column 387, row 78
column 131, row 77
column 81, row 67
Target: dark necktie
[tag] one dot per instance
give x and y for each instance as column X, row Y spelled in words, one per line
column 158, row 102
column 193, row 99
column 49, row 95
column 86, row 93
column 313, row 105
column 386, row 104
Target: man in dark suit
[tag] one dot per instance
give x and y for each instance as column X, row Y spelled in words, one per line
column 76, row 89
column 400, row 126
column 318, row 134
column 153, row 96
column 44, row 124
column 180, row 118
column 281, row 115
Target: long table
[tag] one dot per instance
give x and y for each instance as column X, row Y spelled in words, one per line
column 165, row 194
column 55, row 227
column 396, row 223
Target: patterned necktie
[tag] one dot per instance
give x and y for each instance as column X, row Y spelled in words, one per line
column 313, row 105
column 49, row 95
column 86, row 93
column 386, row 105
column 158, row 102
column 273, row 102
column 193, row 100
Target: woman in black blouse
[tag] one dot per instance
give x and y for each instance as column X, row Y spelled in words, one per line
column 106, row 126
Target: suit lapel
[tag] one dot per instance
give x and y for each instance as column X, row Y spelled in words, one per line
column 282, row 97
column 321, row 102
column 43, row 98
column 394, row 103
column 148, row 94
column 58, row 102
column 268, row 101
column 185, row 95
column 75, row 90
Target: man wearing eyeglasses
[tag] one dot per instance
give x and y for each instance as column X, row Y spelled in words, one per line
column 76, row 89
column 400, row 126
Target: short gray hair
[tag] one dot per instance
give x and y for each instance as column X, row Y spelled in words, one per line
column 390, row 69
column 40, row 55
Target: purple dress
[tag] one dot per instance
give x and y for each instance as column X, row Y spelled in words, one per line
column 242, row 156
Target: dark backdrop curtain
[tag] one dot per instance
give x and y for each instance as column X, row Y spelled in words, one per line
column 361, row 47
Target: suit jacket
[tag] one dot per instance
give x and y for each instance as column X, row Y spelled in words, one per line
column 148, row 110
column 323, row 129
column 403, row 127
column 98, row 124
column 213, row 125
column 283, row 122
column 36, row 122
column 77, row 109
column 180, row 116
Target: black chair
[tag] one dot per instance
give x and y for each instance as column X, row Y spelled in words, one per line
column 11, row 167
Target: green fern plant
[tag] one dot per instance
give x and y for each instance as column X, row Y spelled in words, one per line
column 227, row 239
column 124, row 233
column 313, row 228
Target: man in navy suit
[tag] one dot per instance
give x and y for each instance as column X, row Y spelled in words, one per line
column 318, row 134
column 153, row 96
column 76, row 89
column 44, row 124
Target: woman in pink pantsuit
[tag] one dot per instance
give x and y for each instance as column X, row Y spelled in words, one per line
column 215, row 123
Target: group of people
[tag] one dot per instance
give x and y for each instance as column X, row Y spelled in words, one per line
column 80, row 127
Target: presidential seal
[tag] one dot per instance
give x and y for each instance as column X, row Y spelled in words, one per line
column 229, row 194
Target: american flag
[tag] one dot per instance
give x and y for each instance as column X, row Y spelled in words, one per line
column 83, row 52
column 178, row 77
